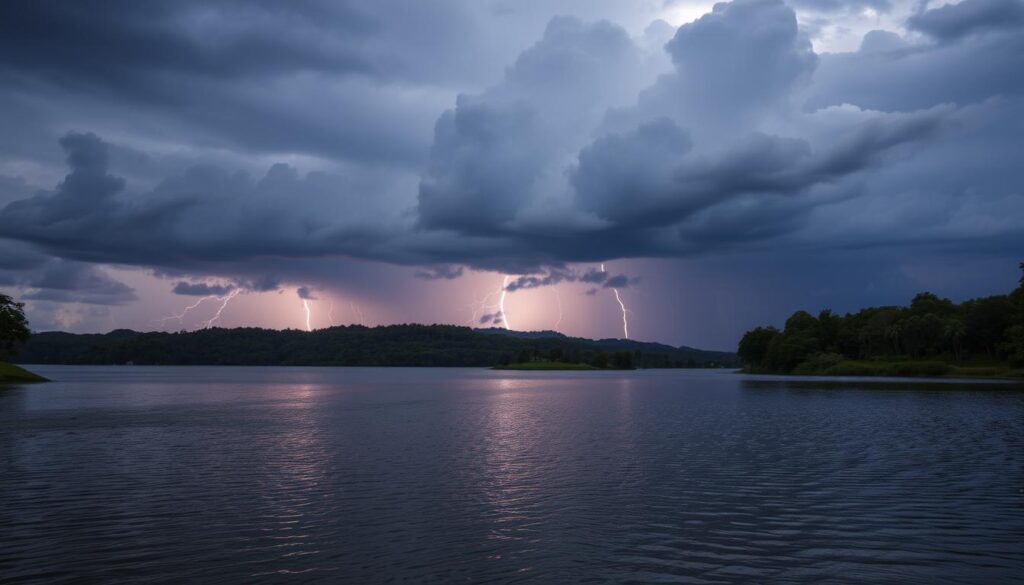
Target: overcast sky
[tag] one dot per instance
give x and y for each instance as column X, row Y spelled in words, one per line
column 712, row 167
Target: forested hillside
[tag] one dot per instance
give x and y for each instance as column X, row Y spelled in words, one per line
column 394, row 345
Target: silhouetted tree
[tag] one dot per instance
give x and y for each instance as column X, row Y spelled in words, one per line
column 13, row 325
column 954, row 332
column 930, row 327
column 987, row 320
column 754, row 345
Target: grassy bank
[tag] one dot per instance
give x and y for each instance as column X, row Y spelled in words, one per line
column 546, row 366
column 12, row 374
column 904, row 368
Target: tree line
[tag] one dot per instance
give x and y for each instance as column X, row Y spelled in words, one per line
column 983, row 330
column 353, row 345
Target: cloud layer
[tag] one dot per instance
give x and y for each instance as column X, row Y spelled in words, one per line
column 256, row 139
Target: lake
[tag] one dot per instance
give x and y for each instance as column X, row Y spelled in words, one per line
column 364, row 475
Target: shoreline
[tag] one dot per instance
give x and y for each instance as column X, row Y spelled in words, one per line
column 12, row 374
column 875, row 369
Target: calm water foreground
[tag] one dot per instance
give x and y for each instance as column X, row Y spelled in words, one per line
column 304, row 475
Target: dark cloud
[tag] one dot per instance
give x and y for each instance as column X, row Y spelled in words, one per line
column 19, row 256
column 77, row 282
column 554, row 276
column 127, row 40
column 326, row 79
column 617, row 281
column 446, row 272
column 549, row 278
column 894, row 75
column 202, row 289
column 954, row 21
column 260, row 283
column 305, row 293
column 189, row 218
column 645, row 179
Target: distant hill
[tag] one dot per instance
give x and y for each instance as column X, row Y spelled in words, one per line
column 353, row 345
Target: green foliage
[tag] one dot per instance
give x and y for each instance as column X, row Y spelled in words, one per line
column 754, row 346
column 13, row 325
column 921, row 339
column 819, row 363
column 12, row 374
column 786, row 351
column 878, row 368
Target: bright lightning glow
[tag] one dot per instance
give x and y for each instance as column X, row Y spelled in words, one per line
column 224, row 303
column 181, row 316
column 490, row 308
column 501, row 303
column 625, row 321
column 305, row 305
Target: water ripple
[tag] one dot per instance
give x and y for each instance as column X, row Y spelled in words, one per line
column 236, row 475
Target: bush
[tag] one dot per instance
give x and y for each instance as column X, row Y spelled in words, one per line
column 819, row 363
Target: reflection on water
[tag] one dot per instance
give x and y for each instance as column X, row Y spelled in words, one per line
column 307, row 475
column 823, row 383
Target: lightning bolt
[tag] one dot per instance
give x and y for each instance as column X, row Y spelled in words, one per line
column 488, row 306
column 305, row 305
column 181, row 316
column 483, row 306
column 224, row 300
column 501, row 303
column 357, row 310
column 625, row 321
column 558, row 298
column 330, row 313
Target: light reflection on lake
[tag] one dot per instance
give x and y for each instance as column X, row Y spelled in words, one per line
column 305, row 475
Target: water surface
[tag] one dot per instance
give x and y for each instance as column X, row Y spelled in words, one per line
column 308, row 475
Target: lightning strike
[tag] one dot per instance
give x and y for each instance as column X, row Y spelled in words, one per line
column 625, row 321
column 558, row 299
column 481, row 307
column 305, row 305
column 181, row 316
column 501, row 303
column 330, row 313
column 224, row 303
column 357, row 311
column 489, row 310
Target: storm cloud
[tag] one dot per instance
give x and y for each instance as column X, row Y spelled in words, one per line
column 202, row 289
column 258, row 146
